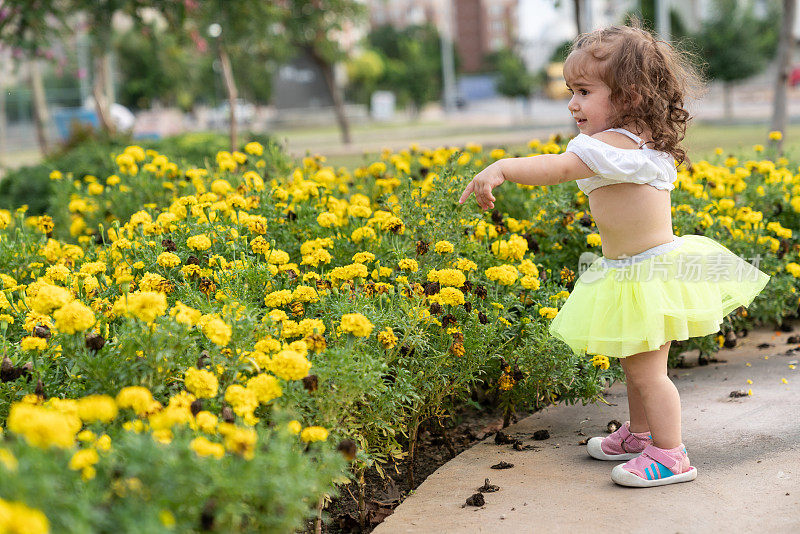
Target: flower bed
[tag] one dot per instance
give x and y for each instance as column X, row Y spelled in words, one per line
column 186, row 347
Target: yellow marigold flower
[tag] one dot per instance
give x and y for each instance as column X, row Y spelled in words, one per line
column 217, row 331
column 8, row 461
column 268, row 345
column 74, row 317
column 758, row 148
column 167, row 519
column 144, row 305
column 83, row 458
column 33, row 343
column 289, row 365
column 207, row 422
column 408, row 264
column 367, row 233
column 185, row 314
column 6, row 318
column 221, row 187
column 94, row 189
column 593, row 240
column 314, row 433
column 17, row 518
column 168, row 259
column 44, row 223
column 393, row 224
column 387, row 338
column 377, row 168
column 451, row 296
column 97, row 408
column 266, row 387
column 356, row 324
column 203, row 447
column 103, row 443
column 43, row 427
column 137, row 398
column 305, row 294
column 241, row 441
column 450, row 277
column 242, row 400
column 530, row 282
column 50, row 297
column 549, row 313
column 294, row 427
column 497, row 153
column 776, row 135
column 363, row 257
column 793, row 269
column 199, row 242
column 598, row 360
column 443, row 247
column 327, row 219
column 504, row 274
column 276, row 299
column 254, row 148
column 465, row 265
column 203, row 384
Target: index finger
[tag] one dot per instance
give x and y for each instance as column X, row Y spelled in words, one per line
column 465, row 195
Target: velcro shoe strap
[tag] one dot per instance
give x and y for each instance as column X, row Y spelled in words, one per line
column 661, row 457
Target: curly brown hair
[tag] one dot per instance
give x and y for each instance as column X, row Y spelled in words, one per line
column 649, row 80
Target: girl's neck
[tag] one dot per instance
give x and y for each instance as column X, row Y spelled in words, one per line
column 644, row 134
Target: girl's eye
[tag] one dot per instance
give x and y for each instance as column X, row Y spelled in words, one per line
column 584, row 92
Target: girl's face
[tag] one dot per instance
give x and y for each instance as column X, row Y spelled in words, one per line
column 590, row 104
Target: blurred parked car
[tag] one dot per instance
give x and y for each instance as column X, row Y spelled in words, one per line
column 556, row 86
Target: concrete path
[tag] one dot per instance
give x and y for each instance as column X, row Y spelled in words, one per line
column 746, row 450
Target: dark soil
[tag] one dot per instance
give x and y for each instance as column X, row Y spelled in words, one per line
column 383, row 495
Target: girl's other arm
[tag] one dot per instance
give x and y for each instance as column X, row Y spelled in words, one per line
column 544, row 169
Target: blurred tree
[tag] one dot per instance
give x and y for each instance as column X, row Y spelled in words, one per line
column 96, row 17
column 238, row 28
column 514, row 80
column 736, row 44
column 29, row 29
column 314, row 28
column 363, row 73
column 785, row 46
column 413, row 63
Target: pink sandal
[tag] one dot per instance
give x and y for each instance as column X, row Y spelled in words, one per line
column 655, row 467
column 619, row 445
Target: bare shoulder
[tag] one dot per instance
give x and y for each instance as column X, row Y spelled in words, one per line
column 615, row 139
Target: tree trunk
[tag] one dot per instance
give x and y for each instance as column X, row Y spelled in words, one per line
column 40, row 115
column 727, row 97
column 579, row 16
column 230, row 87
column 99, row 84
column 785, row 43
column 336, row 95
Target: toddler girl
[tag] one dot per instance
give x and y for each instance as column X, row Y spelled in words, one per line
column 651, row 286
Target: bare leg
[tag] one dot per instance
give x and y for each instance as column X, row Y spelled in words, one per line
column 646, row 372
column 635, row 405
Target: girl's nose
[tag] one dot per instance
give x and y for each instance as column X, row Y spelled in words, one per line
column 572, row 105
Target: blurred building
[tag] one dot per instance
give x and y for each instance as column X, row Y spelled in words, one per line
column 479, row 27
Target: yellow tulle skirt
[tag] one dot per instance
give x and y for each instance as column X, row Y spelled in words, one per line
column 674, row 291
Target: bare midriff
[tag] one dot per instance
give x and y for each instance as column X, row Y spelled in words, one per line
column 631, row 218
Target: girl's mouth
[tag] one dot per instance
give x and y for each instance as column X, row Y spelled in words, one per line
column 580, row 121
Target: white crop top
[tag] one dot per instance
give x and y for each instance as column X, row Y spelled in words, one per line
column 613, row 165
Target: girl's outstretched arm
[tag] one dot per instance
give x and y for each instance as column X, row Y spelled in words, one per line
column 544, row 169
